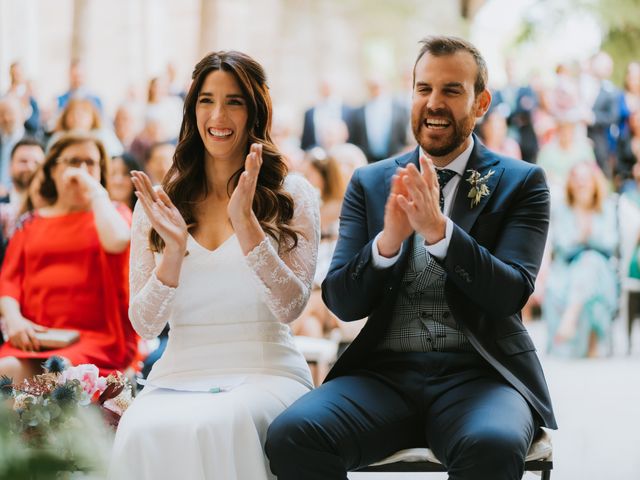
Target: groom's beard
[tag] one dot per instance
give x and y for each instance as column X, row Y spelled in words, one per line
column 441, row 145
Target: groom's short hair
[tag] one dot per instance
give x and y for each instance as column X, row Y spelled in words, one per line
column 441, row 45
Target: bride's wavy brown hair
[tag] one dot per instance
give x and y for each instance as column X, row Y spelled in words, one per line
column 186, row 183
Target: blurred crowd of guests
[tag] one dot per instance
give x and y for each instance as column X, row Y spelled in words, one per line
column 580, row 127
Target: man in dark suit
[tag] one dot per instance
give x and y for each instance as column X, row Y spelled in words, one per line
column 444, row 359
column 606, row 112
column 329, row 109
column 522, row 102
column 379, row 127
column 11, row 132
column 77, row 88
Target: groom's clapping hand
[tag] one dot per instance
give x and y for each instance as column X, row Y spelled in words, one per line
column 396, row 224
column 421, row 203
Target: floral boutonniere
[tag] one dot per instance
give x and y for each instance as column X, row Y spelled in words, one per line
column 479, row 187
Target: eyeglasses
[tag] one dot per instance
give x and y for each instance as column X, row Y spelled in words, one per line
column 77, row 162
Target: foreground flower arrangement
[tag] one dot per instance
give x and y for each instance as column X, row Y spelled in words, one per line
column 50, row 399
column 60, row 418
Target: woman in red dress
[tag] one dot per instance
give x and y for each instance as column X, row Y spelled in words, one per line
column 67, row 267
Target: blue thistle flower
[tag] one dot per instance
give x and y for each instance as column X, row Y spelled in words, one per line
column 6, row 386
column 54, row 364
column 65, row 395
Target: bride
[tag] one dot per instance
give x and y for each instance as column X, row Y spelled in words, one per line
column 225, row 252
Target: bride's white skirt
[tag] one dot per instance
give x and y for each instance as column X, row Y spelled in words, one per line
column 169, row 434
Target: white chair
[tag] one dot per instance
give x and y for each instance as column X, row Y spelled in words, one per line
column 539, row 459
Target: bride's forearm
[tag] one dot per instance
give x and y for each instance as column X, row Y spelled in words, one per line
column 249, row 233
column 168, row 269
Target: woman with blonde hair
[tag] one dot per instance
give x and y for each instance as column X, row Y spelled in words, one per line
column 80, row 115
column 581, row 291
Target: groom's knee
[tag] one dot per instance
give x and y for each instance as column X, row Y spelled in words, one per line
column 494, row 453
column 283, row 436
column 295, row 435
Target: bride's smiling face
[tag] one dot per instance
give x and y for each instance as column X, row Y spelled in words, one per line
column 221, row 116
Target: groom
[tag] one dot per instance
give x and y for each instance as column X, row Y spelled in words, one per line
column 440, row 249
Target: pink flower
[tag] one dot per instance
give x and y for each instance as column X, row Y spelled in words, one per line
column 101, row 384
column 89, row 378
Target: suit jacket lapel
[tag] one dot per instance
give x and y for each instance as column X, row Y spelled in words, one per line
column 482, row 161
column 401, row 161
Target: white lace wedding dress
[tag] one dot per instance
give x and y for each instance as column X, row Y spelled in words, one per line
column 230, row 366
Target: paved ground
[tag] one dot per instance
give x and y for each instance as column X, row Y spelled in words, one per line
column 597, row 404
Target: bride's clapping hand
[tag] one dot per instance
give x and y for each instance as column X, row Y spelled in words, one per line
column 165, row 218
column 240, row 205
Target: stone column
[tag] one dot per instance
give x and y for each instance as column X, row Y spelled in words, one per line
column 133, row 19
column 154, row 19
column 81, row 29
column 208, row 26
column 4, row 46
column 18, row 38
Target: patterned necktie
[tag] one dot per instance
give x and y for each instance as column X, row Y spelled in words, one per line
column 444, row 175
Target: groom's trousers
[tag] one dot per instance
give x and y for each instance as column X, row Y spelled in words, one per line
column 477, row 424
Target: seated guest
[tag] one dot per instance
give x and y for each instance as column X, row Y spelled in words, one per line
column 628, row 154
column 151, row 133
column 166, row 108
column 349, row 157
column 66, row 266
column 34, row 199
column 323, row 172
column 20, row 88
column 26, row 156
column 11, row 132
column 81, row 115
column 568, row 147
column 159, row 160
column 77, row 87
column 629, row 225
column 493, row 132
column 120, row 185
column 125, row 125
column 581, row 293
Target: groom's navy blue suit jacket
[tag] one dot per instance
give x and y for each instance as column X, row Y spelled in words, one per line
column 491, row 265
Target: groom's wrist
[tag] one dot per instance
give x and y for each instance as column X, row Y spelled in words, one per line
column 387, row 248
column 437, row 232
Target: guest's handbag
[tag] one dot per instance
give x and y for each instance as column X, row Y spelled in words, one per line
column 57, row 338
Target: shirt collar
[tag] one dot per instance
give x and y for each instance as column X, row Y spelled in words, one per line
column 459, row 164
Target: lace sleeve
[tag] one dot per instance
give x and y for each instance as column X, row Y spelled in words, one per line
column 150, row 302
column 285, row 277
